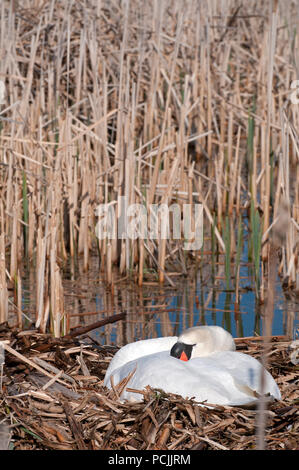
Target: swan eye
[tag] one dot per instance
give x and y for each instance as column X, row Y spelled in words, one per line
column 181, row 351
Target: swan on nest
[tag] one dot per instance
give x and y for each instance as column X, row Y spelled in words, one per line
column 201, row 363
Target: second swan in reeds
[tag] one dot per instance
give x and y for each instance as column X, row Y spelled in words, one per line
column 201, row 363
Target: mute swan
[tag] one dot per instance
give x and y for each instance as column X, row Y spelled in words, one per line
column 209, row 370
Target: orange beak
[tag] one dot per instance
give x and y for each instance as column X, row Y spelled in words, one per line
column 182, row 351
column 183, row 356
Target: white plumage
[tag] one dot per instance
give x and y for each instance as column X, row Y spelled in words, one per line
column 215, row 373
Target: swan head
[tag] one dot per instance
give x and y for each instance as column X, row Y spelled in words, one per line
column 182, row 350
column 202, row 341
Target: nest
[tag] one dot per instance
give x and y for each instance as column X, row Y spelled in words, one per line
column 53, row 397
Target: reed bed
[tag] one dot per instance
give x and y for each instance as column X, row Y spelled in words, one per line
column 53, row 398
column 159, row 102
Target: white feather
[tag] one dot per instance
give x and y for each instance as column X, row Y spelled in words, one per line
column 223, row 377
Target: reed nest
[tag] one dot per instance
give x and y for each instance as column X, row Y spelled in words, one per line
column 53, row 398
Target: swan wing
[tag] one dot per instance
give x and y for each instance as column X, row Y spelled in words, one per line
column 142, row 348
column 226, row 378
column 188, row 379
column 247, row 371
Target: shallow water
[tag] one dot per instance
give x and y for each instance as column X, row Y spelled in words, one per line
column 155, row 310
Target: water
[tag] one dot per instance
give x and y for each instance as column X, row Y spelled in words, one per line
column 153, row 310
column 189, row 313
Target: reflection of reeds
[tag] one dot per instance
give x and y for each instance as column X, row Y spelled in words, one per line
column 154, row 103
column 227, row 241
column 213, row 247
column 238, row 258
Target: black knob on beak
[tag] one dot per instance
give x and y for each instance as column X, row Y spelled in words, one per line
column 181, row 351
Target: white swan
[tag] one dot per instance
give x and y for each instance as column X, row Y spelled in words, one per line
column 209, row 370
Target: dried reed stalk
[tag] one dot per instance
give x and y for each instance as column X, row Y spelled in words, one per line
column 151, row 102
column 3, row 284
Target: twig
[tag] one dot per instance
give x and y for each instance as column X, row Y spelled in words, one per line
column 93, row 326
column 74, row 425
column 30, row 363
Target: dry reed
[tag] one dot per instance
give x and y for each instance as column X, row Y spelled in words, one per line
column 157, row 102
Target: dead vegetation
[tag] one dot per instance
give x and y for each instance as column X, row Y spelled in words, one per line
column 159, row 104
column 56, row 400
column 164, row 102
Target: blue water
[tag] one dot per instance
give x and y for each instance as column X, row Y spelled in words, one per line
column 248, row 323
column 249, row 317
column 191, row 308
column 186, row 305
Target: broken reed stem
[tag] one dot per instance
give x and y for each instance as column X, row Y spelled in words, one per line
column 19, row 299
column 161, row 142
column 93, row 326
column 3, row 284
column 273, row 11
column 155, row 113
column 267, row 331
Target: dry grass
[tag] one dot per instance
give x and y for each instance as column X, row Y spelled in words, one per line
column 154, row 101
column 166, row 101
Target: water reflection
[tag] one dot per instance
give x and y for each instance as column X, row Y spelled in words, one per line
column 155, row 310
